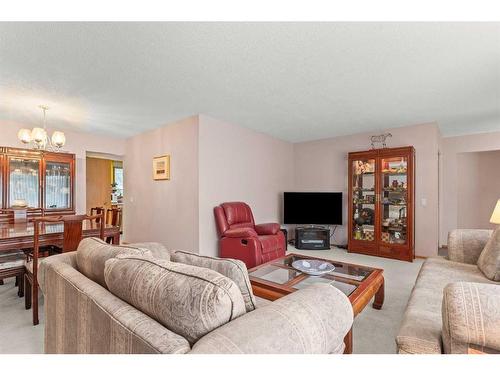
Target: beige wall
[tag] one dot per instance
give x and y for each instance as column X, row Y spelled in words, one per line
column 77, row 143
column 164, row 211
column 478, row 188
column 451, row 174
column 238, row 164
column 322, row 166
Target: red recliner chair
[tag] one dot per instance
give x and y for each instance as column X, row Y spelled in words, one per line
column 240, row 238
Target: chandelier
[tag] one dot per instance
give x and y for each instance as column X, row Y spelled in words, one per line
column 39, row 138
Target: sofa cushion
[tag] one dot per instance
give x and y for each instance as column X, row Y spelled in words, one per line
column 420, row 330
column 232, row 268
column 157, row 250
column 471, row 317
column 190, row 301
column 489, row 260
column 92, row 254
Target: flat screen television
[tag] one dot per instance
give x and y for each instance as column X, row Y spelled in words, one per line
column 312, row 208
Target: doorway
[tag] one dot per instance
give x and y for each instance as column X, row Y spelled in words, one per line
column 104, row 181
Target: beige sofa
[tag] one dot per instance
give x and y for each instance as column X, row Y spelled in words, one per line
column 453, row 307
column 167, row 306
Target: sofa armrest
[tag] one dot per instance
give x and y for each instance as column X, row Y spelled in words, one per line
column 465, row 245
column 267, row 229
column 471, row 317
column 240, row 232
column 312, row 320
column 64, row 258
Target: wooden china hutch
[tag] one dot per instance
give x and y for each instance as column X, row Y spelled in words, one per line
column 44, row 180
column 382, row 202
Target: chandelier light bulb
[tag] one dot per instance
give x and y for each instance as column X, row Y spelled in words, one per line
column 39, row 135
column 24, row 135
column 58, row 139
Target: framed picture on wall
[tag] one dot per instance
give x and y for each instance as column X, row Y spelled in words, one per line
column 161, row 167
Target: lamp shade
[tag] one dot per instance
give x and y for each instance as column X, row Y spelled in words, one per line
column 495, row 217
column 24, row 135
column 39, row 135
column 58, row 139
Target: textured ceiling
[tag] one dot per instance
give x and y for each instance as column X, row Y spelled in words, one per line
column 296, row 81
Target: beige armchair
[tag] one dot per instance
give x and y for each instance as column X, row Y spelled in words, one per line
column 453, row 307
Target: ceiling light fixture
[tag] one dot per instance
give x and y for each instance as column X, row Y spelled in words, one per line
column 39, row 137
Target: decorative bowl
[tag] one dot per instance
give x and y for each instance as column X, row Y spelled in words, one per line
column 313, row 267
column 19, row 203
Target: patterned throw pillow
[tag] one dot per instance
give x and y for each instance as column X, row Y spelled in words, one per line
column 190, row 301
column 489, row 260
column 231, row 268
column 92, row 254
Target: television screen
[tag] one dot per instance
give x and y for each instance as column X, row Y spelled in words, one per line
column 313, row 208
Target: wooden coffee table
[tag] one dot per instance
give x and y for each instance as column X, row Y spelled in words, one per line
column 278, row 278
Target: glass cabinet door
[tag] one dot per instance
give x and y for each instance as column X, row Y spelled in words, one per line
column 57, row 185
column 24, row 182
column 364, row 198
column 394, row 200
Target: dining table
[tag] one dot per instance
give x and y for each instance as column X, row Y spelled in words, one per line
column 19, row 236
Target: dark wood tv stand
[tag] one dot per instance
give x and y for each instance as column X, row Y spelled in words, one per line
column 312, row 238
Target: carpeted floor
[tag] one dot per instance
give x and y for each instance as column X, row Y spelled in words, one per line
column 374, row 330
column 17, row 333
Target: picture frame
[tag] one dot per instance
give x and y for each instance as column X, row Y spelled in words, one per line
column 161, row 167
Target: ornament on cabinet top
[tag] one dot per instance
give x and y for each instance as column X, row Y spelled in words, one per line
column 380, row 139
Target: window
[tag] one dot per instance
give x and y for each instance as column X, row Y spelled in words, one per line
column 117, row 188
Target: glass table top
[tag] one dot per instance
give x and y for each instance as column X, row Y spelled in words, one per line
column 345, row 277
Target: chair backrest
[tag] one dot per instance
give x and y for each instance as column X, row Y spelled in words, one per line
column 232, row 215
column 96, row 211
column 73, row 229
column 72, row 232
column 114, row 216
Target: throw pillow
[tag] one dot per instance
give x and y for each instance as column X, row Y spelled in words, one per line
column 92, row 254
column 190, row 301
column 232, row 268
column 489, row 260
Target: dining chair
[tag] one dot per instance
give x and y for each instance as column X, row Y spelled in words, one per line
column 72, row 235
column 12, row 265
column 114, row 218
column 12, row 262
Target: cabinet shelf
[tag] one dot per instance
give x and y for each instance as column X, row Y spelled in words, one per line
column 394, row 173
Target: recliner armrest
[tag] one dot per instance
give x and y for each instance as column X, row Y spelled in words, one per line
column 471, row 317
column 267, row 228
column 313, row 320
column 240, row 232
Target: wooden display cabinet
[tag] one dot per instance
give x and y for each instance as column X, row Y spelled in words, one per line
column 381, row 202
column 45, row 180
